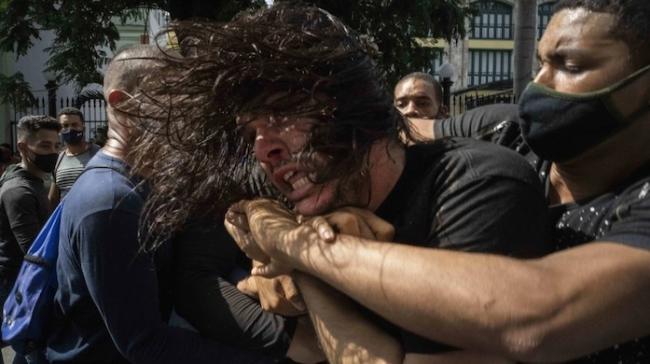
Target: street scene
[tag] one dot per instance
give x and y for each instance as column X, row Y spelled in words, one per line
column 306, row 181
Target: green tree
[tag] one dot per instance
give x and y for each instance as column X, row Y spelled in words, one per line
column 394, row 24
column 84, row 29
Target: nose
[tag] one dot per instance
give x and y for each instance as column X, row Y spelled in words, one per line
column 410, row 110
column 545, row 77
column 269, row 147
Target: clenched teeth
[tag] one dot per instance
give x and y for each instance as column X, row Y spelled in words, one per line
column 301, row 182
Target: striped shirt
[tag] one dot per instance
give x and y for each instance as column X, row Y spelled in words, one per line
column 70, row 167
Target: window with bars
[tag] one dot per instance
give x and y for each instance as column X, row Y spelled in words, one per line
column 544, row 12
column 435, row 55
column 487, row 66
column 494, row 21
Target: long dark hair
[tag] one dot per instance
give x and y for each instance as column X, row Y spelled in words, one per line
column 222, row 71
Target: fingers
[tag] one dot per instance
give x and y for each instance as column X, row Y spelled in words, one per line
column 270, row 270
column 236, row 215
column 245, row 241
column 382, row 230
column 290, row 291
column 248, row 286
column 324, row 229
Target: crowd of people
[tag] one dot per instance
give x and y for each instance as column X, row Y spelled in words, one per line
column 263, row 198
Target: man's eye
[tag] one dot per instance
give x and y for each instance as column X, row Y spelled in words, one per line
column 572, row 68
column 247, row 134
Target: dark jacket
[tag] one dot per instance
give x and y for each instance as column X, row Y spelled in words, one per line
column 24, row 209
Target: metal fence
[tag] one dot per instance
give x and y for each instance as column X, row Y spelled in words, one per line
column 500, row 92
column 94, row 111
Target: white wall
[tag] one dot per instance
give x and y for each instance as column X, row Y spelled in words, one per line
column 32, row 66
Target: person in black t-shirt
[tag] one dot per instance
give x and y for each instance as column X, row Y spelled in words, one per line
column 313, row 109
column 585, row 123
column 330, row 138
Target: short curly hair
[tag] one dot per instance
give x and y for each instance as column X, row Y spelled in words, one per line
column 632, row 22
column 29, row 125
column 70, row 111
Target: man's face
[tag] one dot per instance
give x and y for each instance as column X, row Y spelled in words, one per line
column 70, row 122
column 43, row 142
column 578, row 54
column 416, row 99
column 277, row 144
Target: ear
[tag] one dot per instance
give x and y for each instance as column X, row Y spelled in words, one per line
column 116, row 97
column 22, row 147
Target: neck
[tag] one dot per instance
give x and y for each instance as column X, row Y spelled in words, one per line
column 388, row 159
column 116, row 149
column 75, row 149
column 117, row 145
column 595, row 174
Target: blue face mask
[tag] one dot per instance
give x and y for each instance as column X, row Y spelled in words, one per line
column 560, row 126
column 72, row 137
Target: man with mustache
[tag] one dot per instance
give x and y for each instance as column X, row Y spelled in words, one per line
column 309, row 102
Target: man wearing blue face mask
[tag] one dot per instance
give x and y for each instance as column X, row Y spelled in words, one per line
column 585, row 125
column 76, row 155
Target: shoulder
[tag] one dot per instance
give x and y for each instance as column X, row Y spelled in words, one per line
column 470, row 123
column 17, row 189
column 629, row 217
column 467, row 159
column 109, row 185
column 93, row 149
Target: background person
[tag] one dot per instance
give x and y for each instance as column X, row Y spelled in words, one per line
column 418, row 96
column 24, row 207
column 74, row 157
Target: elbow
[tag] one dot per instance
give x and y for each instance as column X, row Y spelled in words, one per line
column 533, row 330
column 525, row 345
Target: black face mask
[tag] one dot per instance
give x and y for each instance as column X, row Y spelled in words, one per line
column 72, row 137
column 45, row 162
column 560, row 126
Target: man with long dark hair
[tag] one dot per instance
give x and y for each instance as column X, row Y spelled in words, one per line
column 585, row 122
column 293, row 88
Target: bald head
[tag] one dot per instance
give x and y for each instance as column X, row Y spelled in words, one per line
column 129, row 67
column 128, row 73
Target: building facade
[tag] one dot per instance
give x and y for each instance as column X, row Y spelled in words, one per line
column 33, row 64
column 485, row 55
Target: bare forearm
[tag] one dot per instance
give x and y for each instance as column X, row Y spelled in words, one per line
column 344, row 334
column 521, row 309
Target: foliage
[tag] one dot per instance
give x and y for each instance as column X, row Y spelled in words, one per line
column 394, row 24
column 14, row 90
column 84, row 29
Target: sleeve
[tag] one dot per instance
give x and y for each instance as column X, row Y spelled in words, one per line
column 22, row 211
column 205, row 257
column 123, row 284
column 492, row 214
column 630, row 224
column 475, row 122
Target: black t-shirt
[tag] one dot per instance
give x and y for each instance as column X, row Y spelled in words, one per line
column 621, row 215
column 467, row 195
column 205, row 258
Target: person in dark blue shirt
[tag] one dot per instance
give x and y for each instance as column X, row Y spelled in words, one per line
column 108, row 303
